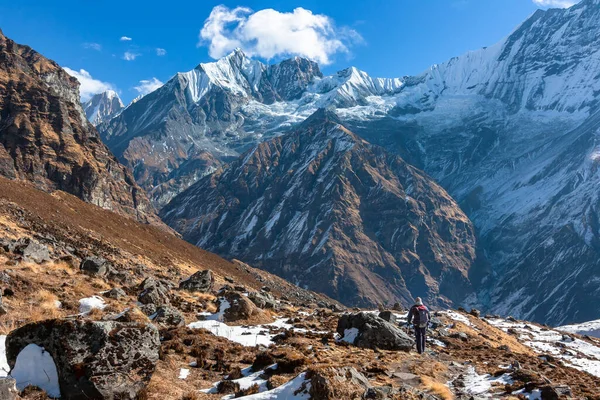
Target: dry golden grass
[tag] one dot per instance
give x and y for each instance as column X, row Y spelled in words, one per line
column 437, row 388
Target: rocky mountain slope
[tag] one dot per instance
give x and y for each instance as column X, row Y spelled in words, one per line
column 519, row 122
column 95, row 285
column 519, row 125
column 323, row 208
column 45, row 137
column 103, row 107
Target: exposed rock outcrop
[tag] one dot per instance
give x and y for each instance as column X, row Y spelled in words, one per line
column 370, row 331
column 94, row 360
column 201, row 281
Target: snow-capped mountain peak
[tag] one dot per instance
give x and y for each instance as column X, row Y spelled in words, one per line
column 102, row 107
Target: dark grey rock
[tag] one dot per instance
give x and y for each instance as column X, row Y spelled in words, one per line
column 168, row 316
column 115, row 293
column 201, row 281
column 388, row 316
column 148, row 309
column 94, row 360
column 32, row 251
column 263, row 300
column 374, row 332
column 95, row 266
column 153, row 292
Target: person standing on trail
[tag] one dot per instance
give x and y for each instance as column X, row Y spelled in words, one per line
column 419, row 317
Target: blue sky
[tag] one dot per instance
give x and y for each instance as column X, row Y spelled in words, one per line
column 387, row 38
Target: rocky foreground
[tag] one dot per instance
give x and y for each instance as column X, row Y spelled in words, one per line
column 97, row 306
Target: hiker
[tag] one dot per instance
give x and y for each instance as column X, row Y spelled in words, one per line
column 419, row 317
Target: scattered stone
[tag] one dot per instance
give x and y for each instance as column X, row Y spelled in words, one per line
column 8, row 389
column 153, row 292
column 475, row 312
column 168, row 316
column 240, row 307
column 201, row 281
column 32, row 250
column 94, row 360
column 148, row 309
column 460, row 335
column 435, row 323
column 94, row 266
column 263, row 300
column 374, row 332
column 551, row 392
column 115, row 293
column 229, row 279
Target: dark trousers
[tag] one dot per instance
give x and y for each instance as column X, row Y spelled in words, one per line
column 420, row 338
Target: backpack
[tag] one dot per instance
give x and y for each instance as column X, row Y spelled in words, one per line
column 422, row 317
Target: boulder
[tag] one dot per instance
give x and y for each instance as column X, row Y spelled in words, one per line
column 94, row 360
column 94, row 266
column 8, row 389
column 370, row 331
column 388, row 316
column 263, row 299
column 32, row 250
column 475, row 312
column 201, row 281
column 115, row 293
column 153, row 292
column 235, row 307
column 168, row 316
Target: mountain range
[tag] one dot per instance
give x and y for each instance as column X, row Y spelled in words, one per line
column 518, row 166
column 518, row 121
column 328, row 211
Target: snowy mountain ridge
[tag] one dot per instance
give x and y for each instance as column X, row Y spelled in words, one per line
column 102, row 107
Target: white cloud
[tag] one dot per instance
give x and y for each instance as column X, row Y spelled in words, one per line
column 129, row 56
column 125, row 39
column 88, row 85
column 93, row 46
column 269, row 33
column 556, row 3
column 147, row 86
column 160, row 52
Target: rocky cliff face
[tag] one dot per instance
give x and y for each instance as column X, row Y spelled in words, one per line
column 45, row 137
column 103, row 107
column 328, row 211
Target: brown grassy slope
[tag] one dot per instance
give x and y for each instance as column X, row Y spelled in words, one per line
column 93, row 230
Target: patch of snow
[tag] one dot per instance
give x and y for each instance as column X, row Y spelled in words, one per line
column 4, row 368
column 89, row 303
column 457, row 317
column 248, row 379
column 296, row 389
column 481, row 385
column 350, row 335
column 35, row 367
column 183, row 373
column 591, row 328
column 582, row 355
column 244, row 335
